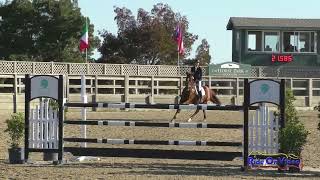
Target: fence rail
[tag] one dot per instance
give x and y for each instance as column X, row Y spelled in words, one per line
column 25, row 67
column 145, row 83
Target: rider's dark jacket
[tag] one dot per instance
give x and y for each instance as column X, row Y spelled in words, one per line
column 197, row 73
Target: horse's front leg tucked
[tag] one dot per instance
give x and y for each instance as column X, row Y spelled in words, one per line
column 175, row 115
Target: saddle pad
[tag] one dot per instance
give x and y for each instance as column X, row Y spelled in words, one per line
column 203, row 92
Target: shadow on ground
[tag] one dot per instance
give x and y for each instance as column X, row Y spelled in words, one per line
column 180, row 169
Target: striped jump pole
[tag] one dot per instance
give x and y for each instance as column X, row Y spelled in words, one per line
column 161, row 106
column 121, row 122
column 153, row 142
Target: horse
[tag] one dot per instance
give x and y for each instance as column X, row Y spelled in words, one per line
column 189, row 96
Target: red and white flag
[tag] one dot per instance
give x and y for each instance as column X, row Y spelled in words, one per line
column 84, row 41
column 178, row 37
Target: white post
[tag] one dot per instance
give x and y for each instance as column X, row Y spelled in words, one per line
column 272, row 132
column 261, row 139
column 263, row 129
column 84, row 118
column 84, row 99
column 267, row 132
column 251, row 128
column 257, row 130
column 276, row 138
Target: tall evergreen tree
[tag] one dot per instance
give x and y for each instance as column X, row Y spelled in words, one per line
column 203, row 53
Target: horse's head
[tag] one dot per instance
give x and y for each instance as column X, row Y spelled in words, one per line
column 189, row 92
column 190, row 81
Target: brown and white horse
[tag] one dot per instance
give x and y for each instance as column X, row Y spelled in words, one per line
column 189, row 96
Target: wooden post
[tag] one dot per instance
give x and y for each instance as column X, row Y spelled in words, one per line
column 67, row 90
column 310, row 92
column 121, row 70
column 181, row 85
column 52, row 69
column 87, row 68
column 104, row 69
column 95, row 95
column 126, row 89
column 15, row 93
column 151, row 99
column 237, row 92
column 33, row 67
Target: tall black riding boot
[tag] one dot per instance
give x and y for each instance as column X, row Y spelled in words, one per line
column 199, row 96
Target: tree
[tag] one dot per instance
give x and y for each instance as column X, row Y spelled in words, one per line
column 146, row 39
column 42, row 30
column 203, row 53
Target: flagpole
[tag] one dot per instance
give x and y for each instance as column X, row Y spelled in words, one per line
column 86, row 55
column 88, row 39
column 178, row 59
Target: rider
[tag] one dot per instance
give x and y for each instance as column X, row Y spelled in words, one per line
column 197, row 75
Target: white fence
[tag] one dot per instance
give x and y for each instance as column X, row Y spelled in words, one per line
column 43, row 132
column 263, row 131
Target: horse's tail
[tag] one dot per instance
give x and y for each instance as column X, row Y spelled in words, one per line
column 214, row 98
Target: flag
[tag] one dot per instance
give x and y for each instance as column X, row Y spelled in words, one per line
column 84, row 41
column 178, row 37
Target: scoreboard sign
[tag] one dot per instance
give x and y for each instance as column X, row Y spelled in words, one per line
column 285, row 58
column 230, row 70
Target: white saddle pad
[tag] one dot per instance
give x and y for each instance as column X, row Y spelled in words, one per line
column 203, row 92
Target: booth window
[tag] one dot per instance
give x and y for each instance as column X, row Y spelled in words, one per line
column 271, row 41
column 267, row 41
column 254, row 41
column 298, row 41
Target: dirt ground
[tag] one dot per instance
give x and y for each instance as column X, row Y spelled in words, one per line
column 134, row 168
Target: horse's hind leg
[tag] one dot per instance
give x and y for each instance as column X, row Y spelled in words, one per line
column 195, row 113
column 204, row 115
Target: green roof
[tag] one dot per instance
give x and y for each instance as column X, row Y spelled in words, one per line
column 273, row 23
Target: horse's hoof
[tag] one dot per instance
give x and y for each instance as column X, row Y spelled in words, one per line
column 204, row 120
column 189, row 120
column 172, row 121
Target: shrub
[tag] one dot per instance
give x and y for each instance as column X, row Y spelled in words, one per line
column 15, row 128
column 293, row 137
